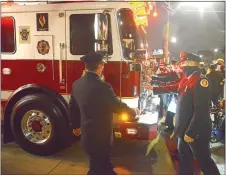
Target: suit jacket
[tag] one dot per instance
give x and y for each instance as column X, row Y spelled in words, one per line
column 91, row 107
column 216, row 78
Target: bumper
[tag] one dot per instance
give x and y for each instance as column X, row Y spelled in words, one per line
column 135, row 131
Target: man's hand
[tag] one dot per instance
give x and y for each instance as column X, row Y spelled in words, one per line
column 77, row 132
column 137, row 111
column 188, row 139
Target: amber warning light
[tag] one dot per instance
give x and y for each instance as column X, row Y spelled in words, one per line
column 124, row 117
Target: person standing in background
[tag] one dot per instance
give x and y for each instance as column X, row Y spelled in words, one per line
column 216, row 80
column 221, row 67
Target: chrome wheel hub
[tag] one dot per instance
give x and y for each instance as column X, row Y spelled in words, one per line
column 36, row 126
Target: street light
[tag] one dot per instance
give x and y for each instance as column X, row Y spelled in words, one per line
column 215, row 50
column 173, row 39
column 196, row 4
column 155, row 14
column 200, row 5
column 200, row 56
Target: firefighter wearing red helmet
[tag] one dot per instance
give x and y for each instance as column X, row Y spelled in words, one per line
column 193, row 124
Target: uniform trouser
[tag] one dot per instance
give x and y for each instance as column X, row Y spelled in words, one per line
column 169, row 119
column 215, row 99
column 200, row 148
column 100, row 164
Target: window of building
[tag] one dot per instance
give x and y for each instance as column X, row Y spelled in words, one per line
column 82, row 34
column 8, row 37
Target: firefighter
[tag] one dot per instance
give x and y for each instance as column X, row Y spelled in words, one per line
column 216, row 79
column 91, row 108
column 193, row 124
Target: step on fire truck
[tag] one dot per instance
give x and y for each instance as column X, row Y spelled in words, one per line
column 41, row 47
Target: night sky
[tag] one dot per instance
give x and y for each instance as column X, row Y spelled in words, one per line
column 193, row 31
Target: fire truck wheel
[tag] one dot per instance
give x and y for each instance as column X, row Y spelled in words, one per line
column 38, row 125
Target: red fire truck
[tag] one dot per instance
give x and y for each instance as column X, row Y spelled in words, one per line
column 41, row 47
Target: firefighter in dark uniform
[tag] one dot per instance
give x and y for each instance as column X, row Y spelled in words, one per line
column 193, row 124
column 91, row 108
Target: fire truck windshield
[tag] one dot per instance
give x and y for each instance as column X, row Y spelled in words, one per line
column 128, row 30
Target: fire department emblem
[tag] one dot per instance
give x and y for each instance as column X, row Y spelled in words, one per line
column 43, row 47
column 24, row 34
column 42, row 21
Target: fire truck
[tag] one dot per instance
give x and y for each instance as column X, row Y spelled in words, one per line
column 41, row 47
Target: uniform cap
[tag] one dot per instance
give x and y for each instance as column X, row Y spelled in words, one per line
column 184, row 56
column 94, row 57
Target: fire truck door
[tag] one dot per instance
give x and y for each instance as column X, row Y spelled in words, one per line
column 50, row 54
column 80, row 40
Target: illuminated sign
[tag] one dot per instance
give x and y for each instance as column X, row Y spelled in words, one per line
column 157, row 52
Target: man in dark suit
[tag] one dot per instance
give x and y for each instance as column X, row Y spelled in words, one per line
column 91, row 108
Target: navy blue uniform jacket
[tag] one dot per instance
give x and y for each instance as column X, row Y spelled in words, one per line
column 91, row 108
column 192, row 117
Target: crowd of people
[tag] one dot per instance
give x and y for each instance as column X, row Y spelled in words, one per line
column 187, row 91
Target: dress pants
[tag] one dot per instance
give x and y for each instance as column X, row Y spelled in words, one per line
column 200, row 149
column 169, row 119
column 100, row 164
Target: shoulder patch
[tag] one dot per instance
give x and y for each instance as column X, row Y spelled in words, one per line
column 204, row 83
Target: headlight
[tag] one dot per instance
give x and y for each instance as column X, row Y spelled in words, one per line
column 124, row 117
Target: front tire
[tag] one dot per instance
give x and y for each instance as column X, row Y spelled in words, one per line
column 38, row 125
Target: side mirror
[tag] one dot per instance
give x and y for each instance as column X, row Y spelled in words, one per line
column 101, row 32
column 101, row 27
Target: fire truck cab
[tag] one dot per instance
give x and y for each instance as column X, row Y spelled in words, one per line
column 41, row 50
